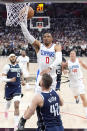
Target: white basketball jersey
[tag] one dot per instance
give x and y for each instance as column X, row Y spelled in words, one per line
column 23, row 62
column 46, row 57
column 75, row 72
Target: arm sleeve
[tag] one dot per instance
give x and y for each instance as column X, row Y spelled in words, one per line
column 27, row 34
column 6, row 69
column 57, row 61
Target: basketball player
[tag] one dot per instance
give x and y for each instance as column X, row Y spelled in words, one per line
column 11, row 75
column 23, row 61
column 47, row 103
column 49, row 55
column 76, row 78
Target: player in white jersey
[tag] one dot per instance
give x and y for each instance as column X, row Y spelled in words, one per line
column 23, row 61
column 45, row 57
column 49, row 54
column 76, row 78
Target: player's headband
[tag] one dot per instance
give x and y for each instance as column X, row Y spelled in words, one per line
column 11, row 55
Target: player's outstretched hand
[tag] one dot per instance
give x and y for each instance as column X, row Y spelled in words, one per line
column 13, row 79
column 21, row 124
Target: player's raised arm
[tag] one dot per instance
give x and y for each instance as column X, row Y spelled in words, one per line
column 29, row 37
column 36, row 101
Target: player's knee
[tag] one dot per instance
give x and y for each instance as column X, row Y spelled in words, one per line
column 16, row 105
column 83, row 98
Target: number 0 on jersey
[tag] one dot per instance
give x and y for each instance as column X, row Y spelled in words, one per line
column 47, row 60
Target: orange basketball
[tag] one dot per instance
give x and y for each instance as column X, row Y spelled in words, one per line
column 30, row 13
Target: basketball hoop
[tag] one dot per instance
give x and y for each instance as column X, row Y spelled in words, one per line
column 40, row 23
column 14, row 11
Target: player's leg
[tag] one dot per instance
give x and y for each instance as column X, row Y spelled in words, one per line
column 16, row 100
column 7, row 106
column 26, row 77
column 38, row 78
column 75, row 91
column 54, row 76
column 27, row 83
column 58, row 85
column 37, row 86
column 84, row 102
column 8, row 98
column 77, row 99
column 81, row 92
column 58, row 82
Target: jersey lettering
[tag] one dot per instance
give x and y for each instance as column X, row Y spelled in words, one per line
column 54, row 109
column 47, row 53
column 74, row 70
column 18, row 74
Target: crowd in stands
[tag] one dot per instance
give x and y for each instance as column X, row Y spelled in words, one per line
column 68, row 28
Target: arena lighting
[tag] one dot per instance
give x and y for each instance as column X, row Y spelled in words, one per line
column 41, row 1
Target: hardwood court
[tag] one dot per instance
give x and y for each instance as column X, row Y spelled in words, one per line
column 73, row 114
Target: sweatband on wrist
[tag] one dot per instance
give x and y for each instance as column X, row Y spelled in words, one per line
column 5, row 79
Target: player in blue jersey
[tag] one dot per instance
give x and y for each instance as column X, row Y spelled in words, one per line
column 12, row 76
column 47, row 104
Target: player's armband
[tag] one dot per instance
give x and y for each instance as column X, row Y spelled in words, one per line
column 5, row 79
column 58, row 60
column 26, row 33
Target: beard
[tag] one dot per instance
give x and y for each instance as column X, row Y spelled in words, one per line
column 13, row 62
column 23, row 55
column 47, row 43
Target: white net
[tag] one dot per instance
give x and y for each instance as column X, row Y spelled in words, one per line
column 16, row 13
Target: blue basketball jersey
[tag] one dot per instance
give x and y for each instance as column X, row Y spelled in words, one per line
column 14, row 71
column 49, row 114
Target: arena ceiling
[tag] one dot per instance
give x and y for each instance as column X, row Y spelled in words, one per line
column 40, row 1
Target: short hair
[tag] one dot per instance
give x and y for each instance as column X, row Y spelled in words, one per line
column 47, row 80
column 72, row 51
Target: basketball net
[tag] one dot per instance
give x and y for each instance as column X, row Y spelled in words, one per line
column 16, row 13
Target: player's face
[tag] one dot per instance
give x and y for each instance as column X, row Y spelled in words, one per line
column 13, row 59
column 72, row 55
column 23, row 53
column 47, row 39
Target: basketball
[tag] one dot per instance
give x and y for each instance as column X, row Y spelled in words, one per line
column 30, row 13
